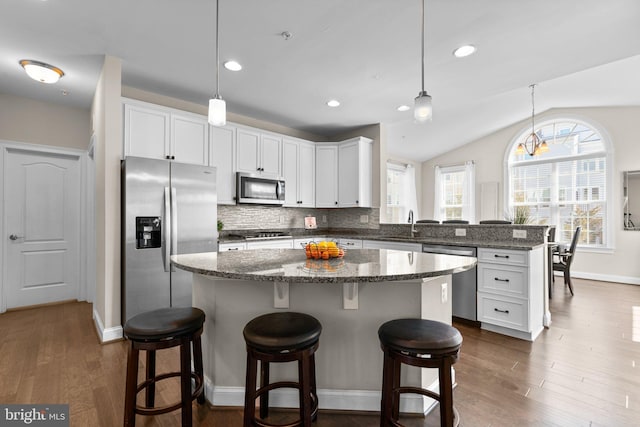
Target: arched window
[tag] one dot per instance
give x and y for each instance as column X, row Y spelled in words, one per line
column 567, row 186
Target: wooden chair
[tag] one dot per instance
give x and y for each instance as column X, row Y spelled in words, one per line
column 565, row 258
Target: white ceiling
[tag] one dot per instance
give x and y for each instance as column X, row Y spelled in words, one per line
column 365, row 53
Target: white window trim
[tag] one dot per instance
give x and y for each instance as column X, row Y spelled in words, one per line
column 469, row 196
column 612, row 210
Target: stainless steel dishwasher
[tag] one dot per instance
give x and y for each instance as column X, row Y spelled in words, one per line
column 464, row 287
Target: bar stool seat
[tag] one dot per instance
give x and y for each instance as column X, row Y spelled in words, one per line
column 277, row 338
column 422, row 343
column 156, row 330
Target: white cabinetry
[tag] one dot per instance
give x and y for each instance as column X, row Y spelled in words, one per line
column 222, row 155
column 298, row 171
column 344, row 174
column 157, row 132
column 510, row 291
column 258, row 153
column 354, row 173
column 232, row 246
column 327, row 176
column 271, row 244
column 398, row 246
column 350, row 243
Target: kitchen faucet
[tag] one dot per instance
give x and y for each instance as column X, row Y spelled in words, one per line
column 413, row 223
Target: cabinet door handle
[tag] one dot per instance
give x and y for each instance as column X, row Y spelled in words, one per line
column 497, row 279
column 336, row 203
column 501, row 256
column 501, row 311
column 357, row 202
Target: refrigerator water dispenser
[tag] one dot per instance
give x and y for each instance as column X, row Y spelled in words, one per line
column 148, row 232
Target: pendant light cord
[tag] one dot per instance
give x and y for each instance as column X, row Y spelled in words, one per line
column 217, row 49
column 533, row 110
column 422, row 43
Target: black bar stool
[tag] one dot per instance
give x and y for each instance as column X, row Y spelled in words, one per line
column 156, row 330
column 422, row 343
column 276, row 338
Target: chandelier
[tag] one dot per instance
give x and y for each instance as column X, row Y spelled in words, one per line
column 533, row 145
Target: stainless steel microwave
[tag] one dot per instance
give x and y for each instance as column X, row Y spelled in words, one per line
column 252, row 188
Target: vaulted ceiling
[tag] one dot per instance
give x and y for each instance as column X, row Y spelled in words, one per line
column 364, row 53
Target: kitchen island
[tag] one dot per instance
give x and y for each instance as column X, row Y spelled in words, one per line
column 350, row 296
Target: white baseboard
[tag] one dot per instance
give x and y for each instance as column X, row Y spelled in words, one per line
column 629, row 280
column 109, row 334
column 353, row 400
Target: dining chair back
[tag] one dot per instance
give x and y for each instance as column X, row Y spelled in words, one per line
column 565, row 259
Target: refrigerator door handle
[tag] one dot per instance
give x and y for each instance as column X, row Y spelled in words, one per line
column 174, row 225
column 167, row 229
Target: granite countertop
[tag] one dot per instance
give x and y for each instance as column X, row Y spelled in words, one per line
column 480, row 243
column 358, row 265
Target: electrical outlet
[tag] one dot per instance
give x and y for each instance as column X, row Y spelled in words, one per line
column 443, row 296
column 519, row 234
column 364, row 219
column 324, row 218
column 461, row 232
column 282, row 219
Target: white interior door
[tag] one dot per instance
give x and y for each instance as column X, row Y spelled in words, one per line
column 42, row 214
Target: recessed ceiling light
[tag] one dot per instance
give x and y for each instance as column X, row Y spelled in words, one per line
column 232, row 66
column 465, row 50
column 403, row 108
column 41, row 72
column 333, row 103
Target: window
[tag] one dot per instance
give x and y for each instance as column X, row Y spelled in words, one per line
column 401, row 193
column 566, row 186
column 454, row 192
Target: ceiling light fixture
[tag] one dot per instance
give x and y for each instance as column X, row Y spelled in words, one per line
column 422, row 109
column 465, row 50
column 333, row 103
column 403, row 108
column 41, row 72
column 533, row 145
column 217, row 106
column 233, row 66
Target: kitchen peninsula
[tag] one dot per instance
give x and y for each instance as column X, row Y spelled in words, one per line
column 350, row 296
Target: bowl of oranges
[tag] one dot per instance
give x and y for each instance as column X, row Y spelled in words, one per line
column 323, row 250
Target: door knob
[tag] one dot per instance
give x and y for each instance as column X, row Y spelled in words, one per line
column 14, row 237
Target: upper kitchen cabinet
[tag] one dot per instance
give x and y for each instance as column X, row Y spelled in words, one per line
column 258, row 153
column 354, row 173
column 222, row 155
column 157, row 132
column 326, row 176
column 298, row 171
column 344, row 174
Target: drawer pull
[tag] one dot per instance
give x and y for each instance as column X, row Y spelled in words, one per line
column 501, row 256
column 501, row 311
column 232, row 249
column 497, row 279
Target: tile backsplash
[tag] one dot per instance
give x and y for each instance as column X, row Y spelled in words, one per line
column 274, row 218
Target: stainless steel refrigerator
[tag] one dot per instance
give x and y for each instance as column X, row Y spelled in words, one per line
column 167, row 208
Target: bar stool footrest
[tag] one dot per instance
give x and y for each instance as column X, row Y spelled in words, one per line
column 199, row 387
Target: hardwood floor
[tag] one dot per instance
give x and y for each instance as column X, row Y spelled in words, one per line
column 583, row 371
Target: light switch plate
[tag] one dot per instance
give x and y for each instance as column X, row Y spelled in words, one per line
column 364, row 219
column 461, row 232
column 443, row 297
column 519, row 234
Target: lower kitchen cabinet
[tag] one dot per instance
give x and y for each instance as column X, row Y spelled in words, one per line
column 511, row 291
column 398, row 246
column 271, row 244
column 235, row 246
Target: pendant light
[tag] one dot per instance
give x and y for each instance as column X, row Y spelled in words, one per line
column 533, row 145
column 422, row 110
column 217, row 106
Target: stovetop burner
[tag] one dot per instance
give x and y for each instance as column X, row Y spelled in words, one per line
column 269, row 235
